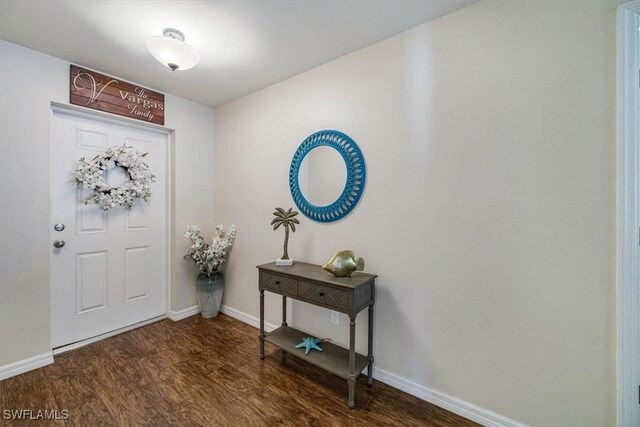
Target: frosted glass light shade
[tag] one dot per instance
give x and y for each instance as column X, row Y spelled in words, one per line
column 173, row 53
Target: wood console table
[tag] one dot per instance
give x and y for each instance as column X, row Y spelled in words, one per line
column 311, row 284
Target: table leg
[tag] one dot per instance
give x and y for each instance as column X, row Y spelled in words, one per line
column 284, row 310
column 261, row 338
column 352, row 361
column 370, row 349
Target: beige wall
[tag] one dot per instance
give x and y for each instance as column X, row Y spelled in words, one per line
column 29, row 81
column 489, row 209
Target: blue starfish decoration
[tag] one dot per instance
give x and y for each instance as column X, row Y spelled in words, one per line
column 310, row 344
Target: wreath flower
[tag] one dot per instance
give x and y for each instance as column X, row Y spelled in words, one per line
column 91, row 175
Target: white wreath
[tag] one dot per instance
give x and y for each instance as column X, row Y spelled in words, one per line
column 90, row 175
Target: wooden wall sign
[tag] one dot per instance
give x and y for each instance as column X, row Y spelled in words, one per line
column 104, row 93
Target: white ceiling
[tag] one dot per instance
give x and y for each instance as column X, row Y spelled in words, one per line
column 244, row 45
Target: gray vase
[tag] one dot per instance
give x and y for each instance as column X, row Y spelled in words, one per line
column 210, row 290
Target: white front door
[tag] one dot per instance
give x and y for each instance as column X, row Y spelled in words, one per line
column 112, row 270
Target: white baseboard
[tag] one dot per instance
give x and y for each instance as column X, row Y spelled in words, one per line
column 438, row 398
column 246, row 318
column 26, row 365
column 184, row 313
column 445, row 401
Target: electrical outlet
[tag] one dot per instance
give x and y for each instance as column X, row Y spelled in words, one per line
column 335, row 317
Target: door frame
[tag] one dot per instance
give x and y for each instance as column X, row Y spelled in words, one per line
column 169, row 135
column 628, row 210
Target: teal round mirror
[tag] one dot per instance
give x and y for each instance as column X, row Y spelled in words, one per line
column 327, row 176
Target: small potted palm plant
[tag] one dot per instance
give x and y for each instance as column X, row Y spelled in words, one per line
column 209, row 257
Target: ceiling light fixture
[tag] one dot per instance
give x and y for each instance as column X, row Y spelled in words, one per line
column 171, row 50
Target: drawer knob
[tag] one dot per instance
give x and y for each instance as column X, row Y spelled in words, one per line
column 321, row 294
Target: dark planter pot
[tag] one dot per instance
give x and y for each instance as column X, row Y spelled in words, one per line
column 210, row 289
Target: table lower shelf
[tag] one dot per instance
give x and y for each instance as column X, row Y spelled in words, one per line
column 333, row 358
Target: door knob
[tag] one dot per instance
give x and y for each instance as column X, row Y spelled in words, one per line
column 58, row 243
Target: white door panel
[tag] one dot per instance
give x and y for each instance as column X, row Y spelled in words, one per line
column 111, row 273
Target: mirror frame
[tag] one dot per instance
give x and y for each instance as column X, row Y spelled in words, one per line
column 356, row 174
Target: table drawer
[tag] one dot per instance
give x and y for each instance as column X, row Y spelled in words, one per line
column 279, row 284
column 324, row 295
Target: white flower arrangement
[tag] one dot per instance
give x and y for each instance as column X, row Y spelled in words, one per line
column 209, row 257
column 90, row 175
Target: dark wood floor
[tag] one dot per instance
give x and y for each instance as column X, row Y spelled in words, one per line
column 200, row 372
